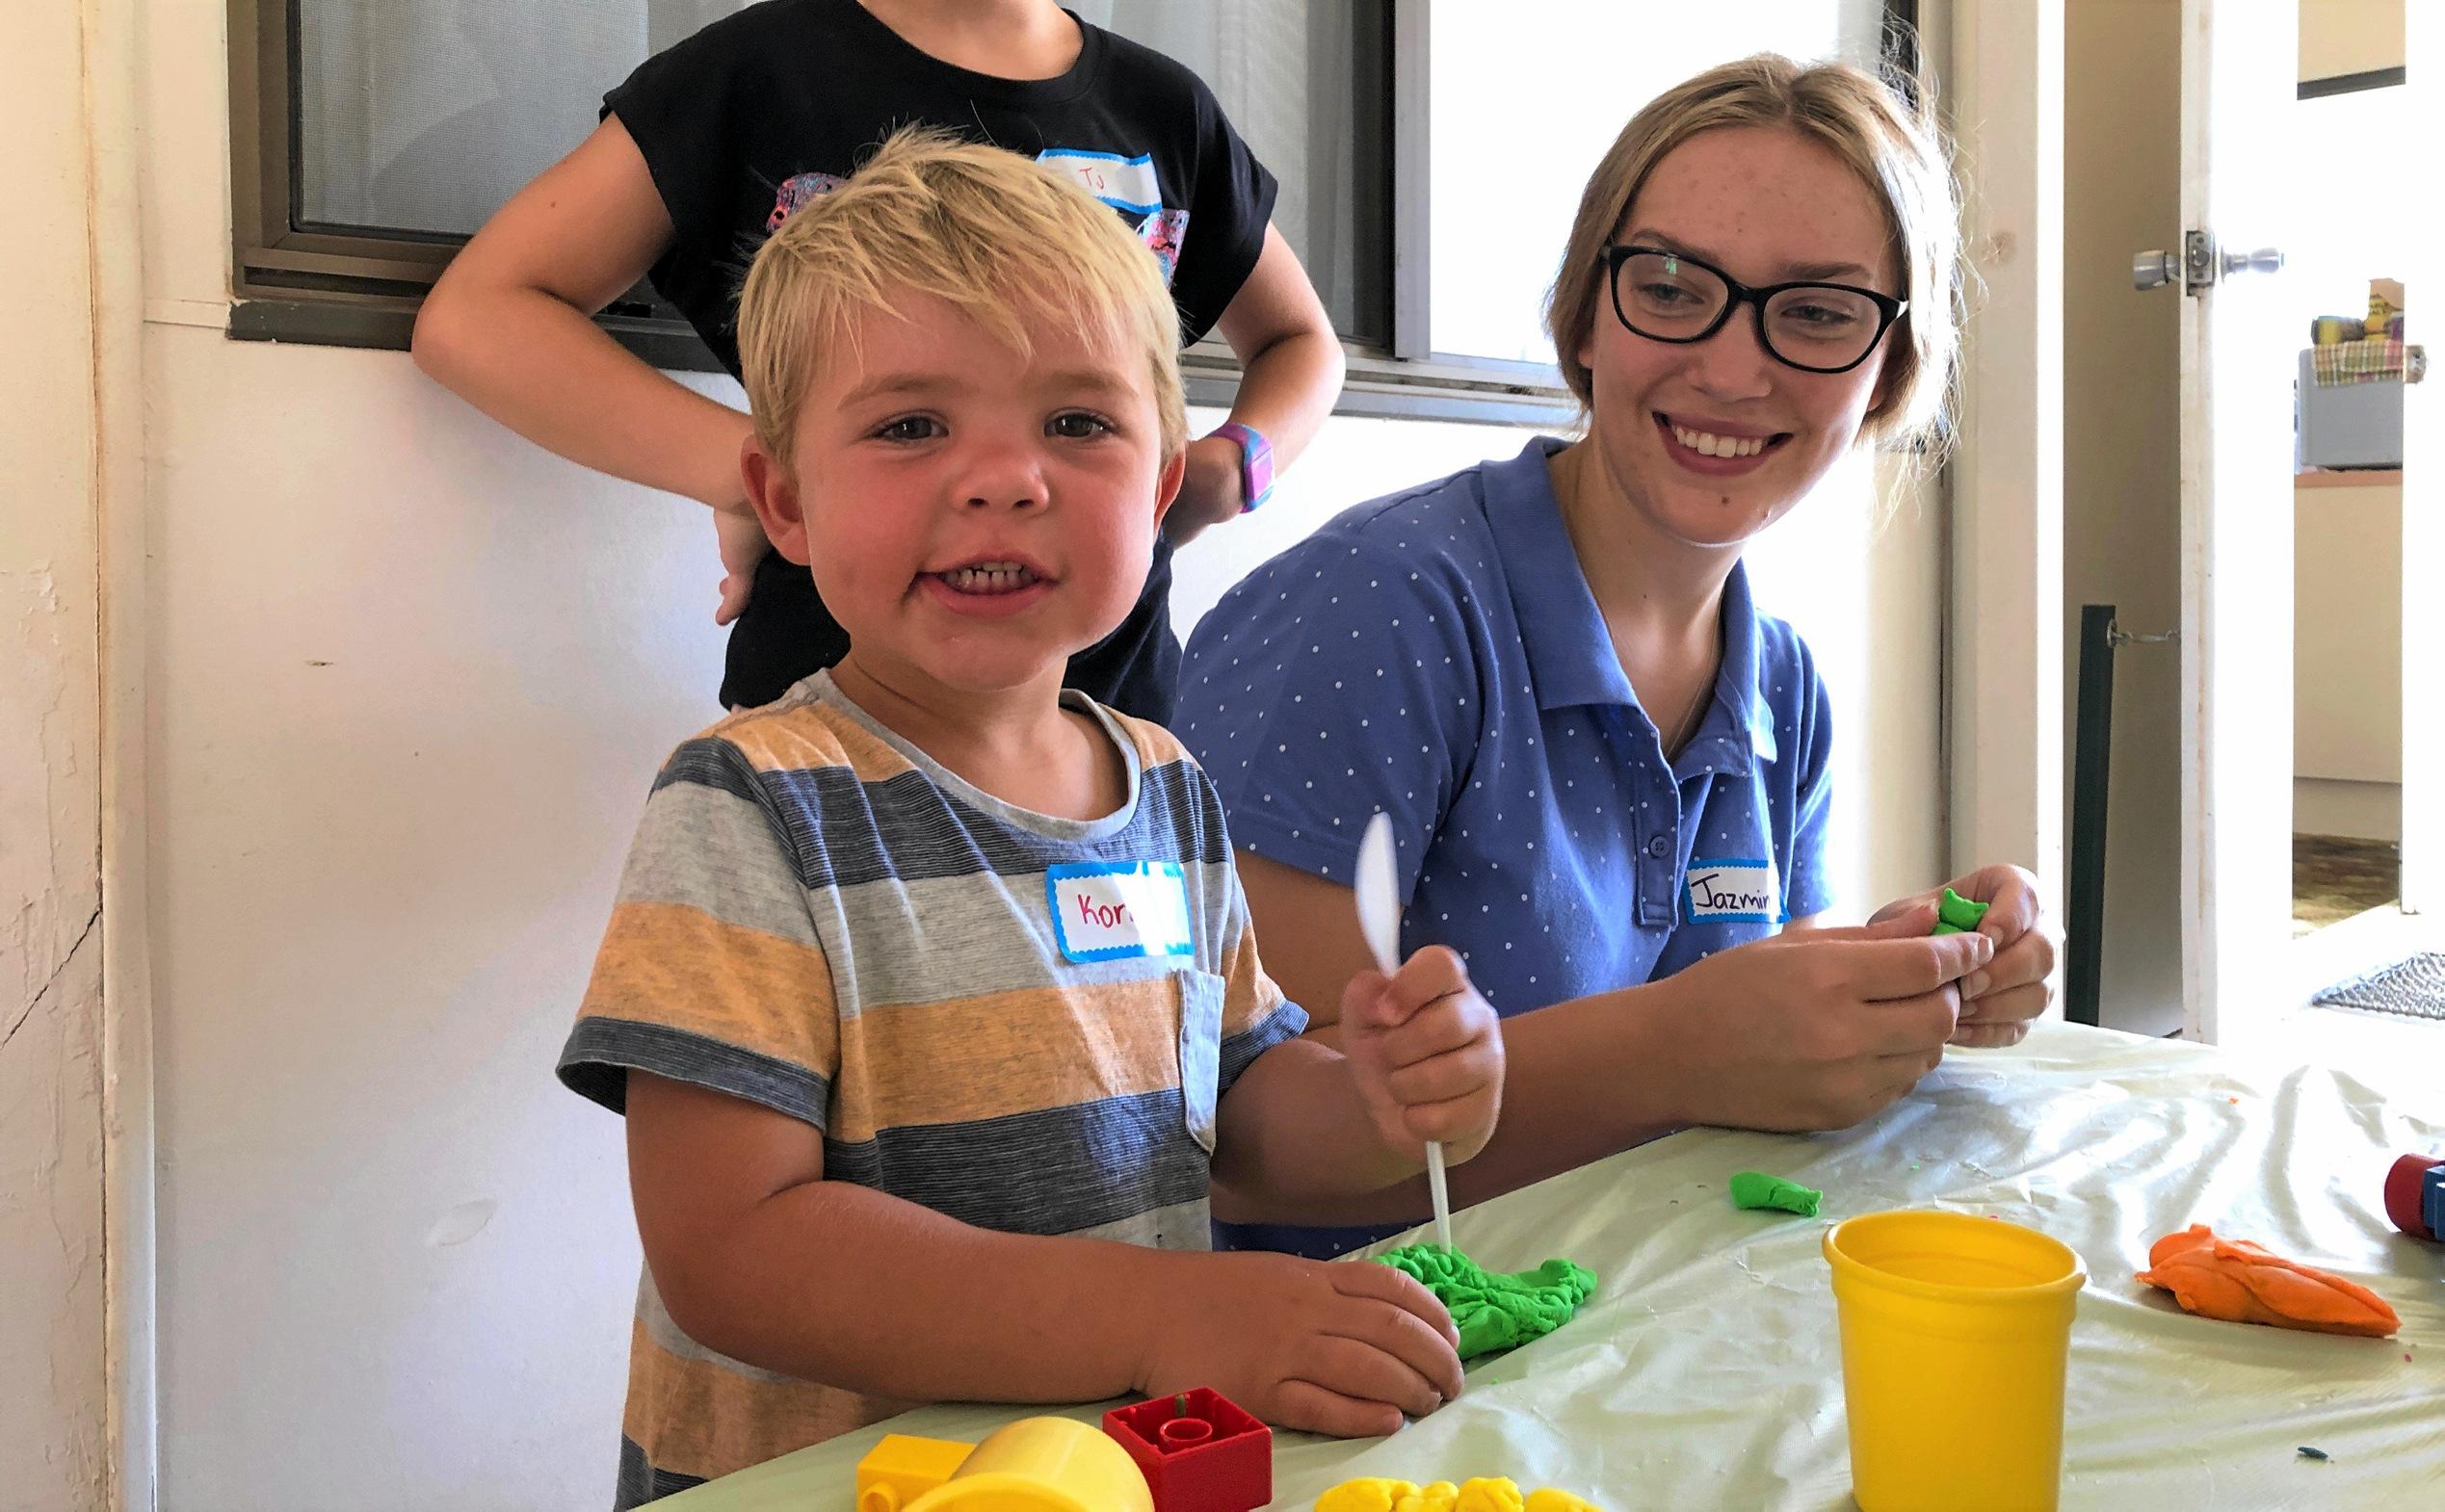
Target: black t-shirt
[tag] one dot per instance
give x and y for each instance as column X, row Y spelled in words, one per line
column 753, row 115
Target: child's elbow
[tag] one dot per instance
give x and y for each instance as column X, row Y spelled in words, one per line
column 694, row 1299
column 439, row 335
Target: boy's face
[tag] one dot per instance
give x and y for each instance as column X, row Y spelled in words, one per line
column 972, row 517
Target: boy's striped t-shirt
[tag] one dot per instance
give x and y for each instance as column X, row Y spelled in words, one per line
column 818, row 917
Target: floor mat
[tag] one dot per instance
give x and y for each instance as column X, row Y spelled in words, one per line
column 2415, row 988
column 2334, row 878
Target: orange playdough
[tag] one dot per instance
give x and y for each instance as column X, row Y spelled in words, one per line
column 2241, row 1283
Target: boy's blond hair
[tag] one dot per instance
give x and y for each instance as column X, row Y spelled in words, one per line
column 980, row 227
column 1891, row 142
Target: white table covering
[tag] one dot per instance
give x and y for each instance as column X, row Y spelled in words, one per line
column 1706, row 1372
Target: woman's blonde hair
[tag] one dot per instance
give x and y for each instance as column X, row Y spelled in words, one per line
column 1895, row 147
column 978, row 227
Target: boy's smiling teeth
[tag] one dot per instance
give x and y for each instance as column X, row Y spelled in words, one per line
column 988, row 577
column 1708, row 444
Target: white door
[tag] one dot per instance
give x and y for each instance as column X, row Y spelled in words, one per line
column 2239, row 80
column 2424, row 506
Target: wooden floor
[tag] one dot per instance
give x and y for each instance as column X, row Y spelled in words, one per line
column 2334, row 878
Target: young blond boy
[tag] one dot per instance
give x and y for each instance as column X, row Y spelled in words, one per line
column 930, row 994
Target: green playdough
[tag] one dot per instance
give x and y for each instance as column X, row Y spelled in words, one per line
column 1496, row 1312
column 1958, row 915
column 1758, row 1190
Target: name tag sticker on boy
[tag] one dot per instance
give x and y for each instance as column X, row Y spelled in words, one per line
column 1112, row 910
column 1732, row 890
column 1126, row 184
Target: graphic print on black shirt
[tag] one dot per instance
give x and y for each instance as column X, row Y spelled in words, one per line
column 748, row 120
column 744, row 122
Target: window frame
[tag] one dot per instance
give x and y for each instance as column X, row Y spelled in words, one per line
column 350, row 287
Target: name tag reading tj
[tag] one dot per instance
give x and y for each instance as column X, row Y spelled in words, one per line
column 1719, row 891
column 1112, row 910
column 1124, row 183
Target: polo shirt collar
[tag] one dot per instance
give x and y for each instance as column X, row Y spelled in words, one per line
column 1570, row 656
column 1569, row 651
column 1741, row 723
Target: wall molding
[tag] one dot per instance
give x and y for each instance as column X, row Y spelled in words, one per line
column 2006, row 649
column 113, row 60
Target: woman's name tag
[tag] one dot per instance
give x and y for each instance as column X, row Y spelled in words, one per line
column 1112, row 910
column 1719, row 891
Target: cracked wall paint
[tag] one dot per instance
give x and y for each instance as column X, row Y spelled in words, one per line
column 53, row 1448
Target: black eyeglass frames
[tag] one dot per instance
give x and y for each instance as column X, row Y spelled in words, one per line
column 1817, row 328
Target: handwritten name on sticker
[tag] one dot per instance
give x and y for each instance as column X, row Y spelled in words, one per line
column 1124, row 183
column 1718, row 889
column 1110, row 910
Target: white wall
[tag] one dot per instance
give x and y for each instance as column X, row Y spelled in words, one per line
column 408, row 681
column 52, row 1451
column 2121, row 468
column 2339, row 36
column 2347, row 730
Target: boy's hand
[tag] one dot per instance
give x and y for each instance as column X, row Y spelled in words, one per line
column 1347, row 1348
column 743, row 545
column 2000, row 998
column 1427, row 1053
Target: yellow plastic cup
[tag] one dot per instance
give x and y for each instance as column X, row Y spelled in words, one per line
column 1043, row 1465
column 1955, row 1332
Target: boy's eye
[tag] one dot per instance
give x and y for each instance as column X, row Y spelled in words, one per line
column 1077, row 426
column 908, row 428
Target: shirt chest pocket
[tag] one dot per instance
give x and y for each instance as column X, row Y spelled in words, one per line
column 1200, row 1047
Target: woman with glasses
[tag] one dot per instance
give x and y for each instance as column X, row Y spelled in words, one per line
column 1605, row 768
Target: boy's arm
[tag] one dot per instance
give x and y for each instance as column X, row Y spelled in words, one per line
column 510, row 330
column 1291, row 366
column 1293, row 1137
column 755, row 1254
column 1310, row 1128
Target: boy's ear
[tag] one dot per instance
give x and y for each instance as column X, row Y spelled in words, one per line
column 1168, row 483
column 779, row 506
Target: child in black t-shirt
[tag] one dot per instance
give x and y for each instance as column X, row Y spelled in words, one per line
column 710, row 146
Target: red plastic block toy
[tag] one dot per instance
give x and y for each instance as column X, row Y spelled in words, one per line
column 2416, row 1196
column 1199, row 1452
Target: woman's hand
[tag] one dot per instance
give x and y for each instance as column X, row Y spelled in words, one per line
column 1819, row 1028
column 2000, row 998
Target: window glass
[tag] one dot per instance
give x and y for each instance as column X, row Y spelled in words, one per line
column 422, row 116
column 1527, row 95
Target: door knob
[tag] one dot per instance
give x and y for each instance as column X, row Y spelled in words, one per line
column 2267, row 259
column 2154, row 270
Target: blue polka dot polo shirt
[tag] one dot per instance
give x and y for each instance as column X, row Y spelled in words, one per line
column 1437, row 656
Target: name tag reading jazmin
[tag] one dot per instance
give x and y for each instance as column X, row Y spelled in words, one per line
column 1732, row 890
column 1110, row 910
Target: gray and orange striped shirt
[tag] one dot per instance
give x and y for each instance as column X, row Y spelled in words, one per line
column 1020, row 1020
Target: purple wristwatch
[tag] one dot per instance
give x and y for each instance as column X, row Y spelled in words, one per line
column 1256, row 461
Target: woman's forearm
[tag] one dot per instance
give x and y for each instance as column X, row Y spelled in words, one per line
column 1588, row 1077
column 539, row 366
column 1583, row 1080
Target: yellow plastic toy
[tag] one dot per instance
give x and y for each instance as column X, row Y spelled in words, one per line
column 1956, row 1338
column 1034, row 1465
column 902, row 1468
column 1487, row 1495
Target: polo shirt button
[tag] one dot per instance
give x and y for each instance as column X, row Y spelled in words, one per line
column 1660, row 847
